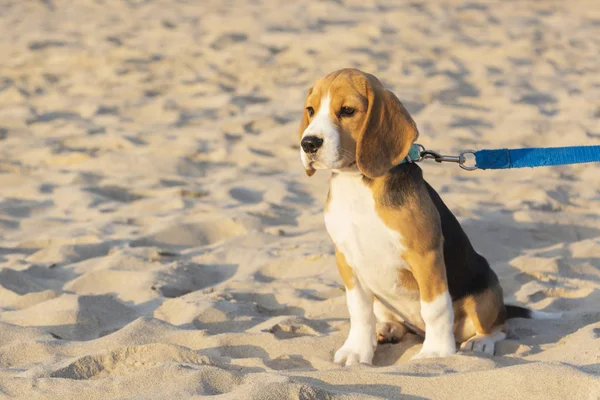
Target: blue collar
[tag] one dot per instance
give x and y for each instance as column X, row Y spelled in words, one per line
column 414, row 154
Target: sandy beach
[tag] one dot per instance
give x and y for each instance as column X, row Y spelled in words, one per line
column 159, row 238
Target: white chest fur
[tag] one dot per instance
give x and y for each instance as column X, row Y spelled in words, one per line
column 372, row 250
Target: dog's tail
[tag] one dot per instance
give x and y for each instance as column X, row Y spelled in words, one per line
column 522, row 312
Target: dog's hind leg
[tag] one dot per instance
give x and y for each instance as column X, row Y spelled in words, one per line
column 483, row 323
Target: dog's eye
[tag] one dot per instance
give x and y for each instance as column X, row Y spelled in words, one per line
column 311, row 111
column 347, row 112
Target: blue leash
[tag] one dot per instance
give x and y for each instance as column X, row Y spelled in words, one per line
column 515, row 158
column 536, row 157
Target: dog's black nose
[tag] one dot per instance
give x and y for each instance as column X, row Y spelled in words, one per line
column 311, row 144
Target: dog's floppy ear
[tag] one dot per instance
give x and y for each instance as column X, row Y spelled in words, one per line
column 303, row 125
column 387, row 134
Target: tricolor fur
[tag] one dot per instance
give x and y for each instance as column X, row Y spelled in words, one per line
column 402, row 255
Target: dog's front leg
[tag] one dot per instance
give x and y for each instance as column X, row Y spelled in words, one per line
column 361, row 342
column 436, row 304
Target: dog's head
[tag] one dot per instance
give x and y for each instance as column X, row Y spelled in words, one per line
column 351, row 119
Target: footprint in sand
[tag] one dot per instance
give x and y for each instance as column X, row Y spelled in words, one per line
column 246, row 195
column 288, row 327
column 58, row 253
column 21, row 208
column 184, row 278
column 209, row 312
column 185, row 236
column 114, row 193
column 22, row 282
column 188, row 167
column 286, row 362
column 228, row 39
column 124, row 360
column 73, row 317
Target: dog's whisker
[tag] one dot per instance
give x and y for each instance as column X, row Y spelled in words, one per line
column 346, row 155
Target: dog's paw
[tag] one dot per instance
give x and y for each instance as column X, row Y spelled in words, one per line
column 483, row 343
column 433, row 354
column 480, row 344
column 436, row 348
column 390, row 332
column 359, row 348
column 349, row 356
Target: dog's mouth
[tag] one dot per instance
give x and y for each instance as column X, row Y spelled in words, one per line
column 313, row 162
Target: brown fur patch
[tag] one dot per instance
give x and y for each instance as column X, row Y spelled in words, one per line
column 485, row 310
column 344, row 269
column 407, row 280
column 419, row 224
column 430, row 273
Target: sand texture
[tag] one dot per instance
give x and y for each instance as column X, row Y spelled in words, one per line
column 160, row 240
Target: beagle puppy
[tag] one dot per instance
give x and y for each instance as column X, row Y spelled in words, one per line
column 405, row 261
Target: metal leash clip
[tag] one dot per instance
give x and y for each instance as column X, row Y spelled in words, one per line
column 434, row 155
